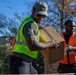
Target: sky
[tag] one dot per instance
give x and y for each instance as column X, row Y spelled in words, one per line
column 8, row 7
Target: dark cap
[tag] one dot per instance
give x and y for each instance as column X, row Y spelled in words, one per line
column 41, row 8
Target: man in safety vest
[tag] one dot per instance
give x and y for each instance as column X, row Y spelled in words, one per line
column 27, row 42
column 68, row 64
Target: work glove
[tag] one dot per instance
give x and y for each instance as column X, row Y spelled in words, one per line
column 69, row 48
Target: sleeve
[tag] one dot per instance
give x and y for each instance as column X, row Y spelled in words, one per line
column 29, row 30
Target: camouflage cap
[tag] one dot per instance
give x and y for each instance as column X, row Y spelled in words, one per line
column 41, row 8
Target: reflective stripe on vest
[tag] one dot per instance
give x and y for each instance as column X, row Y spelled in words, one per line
column 72, row 54
column 20, row 45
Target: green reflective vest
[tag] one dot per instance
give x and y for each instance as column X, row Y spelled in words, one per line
column 20, row 45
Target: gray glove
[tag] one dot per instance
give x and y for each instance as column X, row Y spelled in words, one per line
column 69, row 48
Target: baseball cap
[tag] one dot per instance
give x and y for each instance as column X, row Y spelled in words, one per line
column 41, row 8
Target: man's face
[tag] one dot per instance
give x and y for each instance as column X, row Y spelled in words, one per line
column 69, row 27
column 38, row 17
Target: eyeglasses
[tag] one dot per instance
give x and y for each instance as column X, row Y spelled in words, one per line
column 39, row 15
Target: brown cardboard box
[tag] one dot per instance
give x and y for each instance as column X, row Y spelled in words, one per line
column 52, row 55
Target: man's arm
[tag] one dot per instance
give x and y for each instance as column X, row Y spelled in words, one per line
column 32, row 42
column 70, row 48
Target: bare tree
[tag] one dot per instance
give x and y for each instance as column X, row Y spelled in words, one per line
column 59, row 12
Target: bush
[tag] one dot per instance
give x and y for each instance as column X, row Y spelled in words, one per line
column 4, row 60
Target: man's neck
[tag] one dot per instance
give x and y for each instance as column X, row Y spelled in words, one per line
column 68, row 33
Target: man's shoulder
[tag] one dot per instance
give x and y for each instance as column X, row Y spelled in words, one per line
column 29, row 24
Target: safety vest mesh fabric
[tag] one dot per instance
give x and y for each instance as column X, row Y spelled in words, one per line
column 21, row 48
column 72, row 55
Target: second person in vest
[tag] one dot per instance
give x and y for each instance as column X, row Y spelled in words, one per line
column 68, row 64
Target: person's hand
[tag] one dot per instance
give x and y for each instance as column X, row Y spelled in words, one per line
column 69, row 48
column 54, row 44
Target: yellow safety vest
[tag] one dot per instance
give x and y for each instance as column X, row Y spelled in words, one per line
column 21, row 45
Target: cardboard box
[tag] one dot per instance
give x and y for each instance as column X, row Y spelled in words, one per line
column 52, row 55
